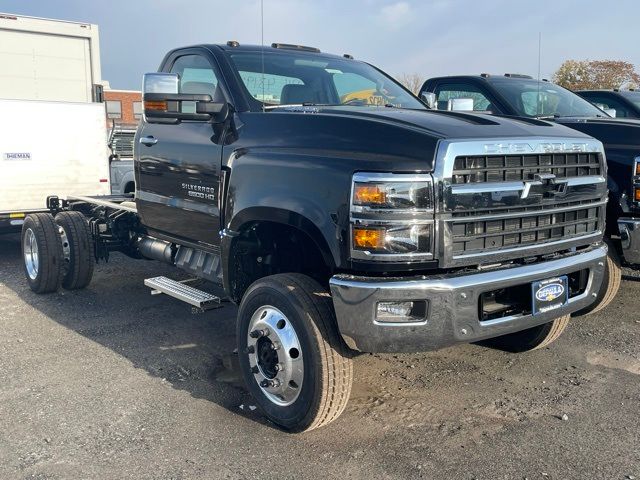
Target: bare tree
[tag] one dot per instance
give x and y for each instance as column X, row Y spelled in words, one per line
column 413, row 81
column 596, row 74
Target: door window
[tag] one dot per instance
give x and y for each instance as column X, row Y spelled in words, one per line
column 196, row 76
column 446, row 92
column 607, row 101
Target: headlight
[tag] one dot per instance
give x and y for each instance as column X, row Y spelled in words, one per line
column 392, row 217
column 388, row 191
column 396, row 195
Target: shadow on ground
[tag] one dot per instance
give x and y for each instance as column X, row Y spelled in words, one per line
column 194, row 352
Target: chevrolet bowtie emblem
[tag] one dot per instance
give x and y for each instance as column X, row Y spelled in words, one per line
column 553, row 185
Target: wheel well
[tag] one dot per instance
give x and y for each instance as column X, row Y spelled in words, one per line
column 130, row 187
column 266, row 248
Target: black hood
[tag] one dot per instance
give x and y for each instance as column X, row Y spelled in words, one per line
column 443, row 124
column 378, row 137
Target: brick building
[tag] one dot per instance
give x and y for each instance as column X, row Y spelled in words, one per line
column 123, row 106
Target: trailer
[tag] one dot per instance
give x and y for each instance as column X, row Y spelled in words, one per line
column 53, row 126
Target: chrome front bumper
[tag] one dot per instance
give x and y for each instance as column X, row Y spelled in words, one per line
column 453, row 304
column 629, row 229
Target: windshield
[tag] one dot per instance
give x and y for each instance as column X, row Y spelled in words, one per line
column 633, row 97
column 300, row 78
column 541, row 99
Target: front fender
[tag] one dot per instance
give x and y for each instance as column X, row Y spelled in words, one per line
column 307, row 192
column 285, row 217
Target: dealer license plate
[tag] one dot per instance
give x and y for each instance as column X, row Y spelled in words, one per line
column 549, row 294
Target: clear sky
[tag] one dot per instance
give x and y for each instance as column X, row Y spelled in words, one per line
column 428, row 37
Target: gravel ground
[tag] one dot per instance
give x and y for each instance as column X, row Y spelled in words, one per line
column 111, row 382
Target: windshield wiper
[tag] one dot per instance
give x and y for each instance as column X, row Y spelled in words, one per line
column 311, row 104
column 305, row 104
column 555, row 116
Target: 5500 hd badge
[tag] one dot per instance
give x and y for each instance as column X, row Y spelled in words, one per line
column 199, row 191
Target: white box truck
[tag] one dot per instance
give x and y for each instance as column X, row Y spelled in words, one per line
column 53, row 131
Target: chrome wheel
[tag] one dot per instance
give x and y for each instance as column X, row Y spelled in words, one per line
column 275, row 355
column 30, row 249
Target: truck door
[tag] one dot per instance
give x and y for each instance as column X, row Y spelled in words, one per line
column 179, row 165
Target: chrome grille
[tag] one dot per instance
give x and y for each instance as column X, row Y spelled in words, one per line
column 502, row 168
column 488, row 233
column 519, row 198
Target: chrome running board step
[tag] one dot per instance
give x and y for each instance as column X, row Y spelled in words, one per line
column 194, row 297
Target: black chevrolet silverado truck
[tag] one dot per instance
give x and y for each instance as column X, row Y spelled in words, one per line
column 515, row 95
column 625, row 103
column 342, row 216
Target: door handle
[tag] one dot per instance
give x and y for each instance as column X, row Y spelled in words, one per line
column 148, row 141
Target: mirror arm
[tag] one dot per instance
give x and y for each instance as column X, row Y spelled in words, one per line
column 209, row 107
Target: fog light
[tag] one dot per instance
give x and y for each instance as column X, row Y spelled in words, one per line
column 400, row 312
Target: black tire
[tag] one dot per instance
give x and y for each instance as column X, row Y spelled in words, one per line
column 78, row 266
column 328, row 370
column 610, row 283
column 531, row 338
column 42, row 253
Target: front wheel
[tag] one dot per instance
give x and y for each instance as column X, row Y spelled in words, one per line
column 292, row 358
column 532, row 338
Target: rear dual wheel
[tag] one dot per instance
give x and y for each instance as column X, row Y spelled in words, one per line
column 42, row 253
column 77, row 247
column 57, row 252
column 293, row 360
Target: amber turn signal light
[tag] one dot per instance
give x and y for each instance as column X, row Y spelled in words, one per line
column 637, row 168
column 155, row 105
column 367, row 194
column 636, row 194
column 368, row 238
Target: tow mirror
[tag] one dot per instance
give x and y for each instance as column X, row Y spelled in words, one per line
column 162, row 102
column 460, row 105
column 430, row 99
column 611, row 112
